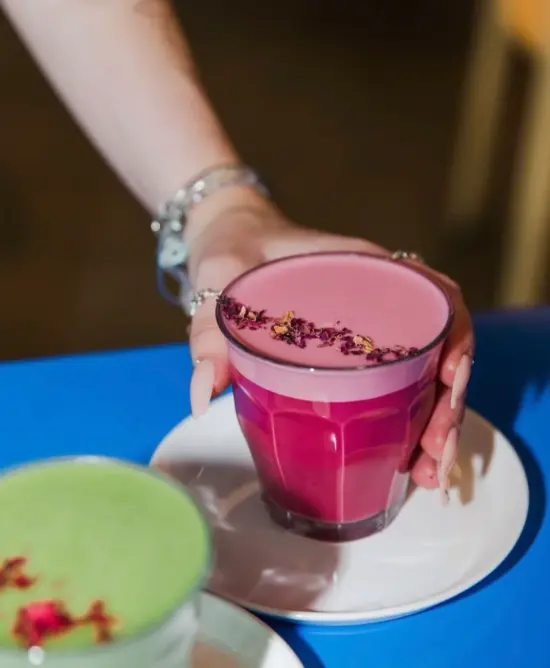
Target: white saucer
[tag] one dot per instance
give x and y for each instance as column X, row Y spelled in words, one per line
column 428, row 555
column 229, row 637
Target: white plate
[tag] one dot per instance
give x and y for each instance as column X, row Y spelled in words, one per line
column 229, row 637
column 428, row 555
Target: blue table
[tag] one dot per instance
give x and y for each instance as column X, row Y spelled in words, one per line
column 122, row 403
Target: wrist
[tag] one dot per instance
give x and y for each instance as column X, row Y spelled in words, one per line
column 227, row 207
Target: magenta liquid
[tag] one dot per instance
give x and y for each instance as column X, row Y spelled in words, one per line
column 333, row 436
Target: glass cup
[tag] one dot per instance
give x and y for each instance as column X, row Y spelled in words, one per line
column 168, row 644
column 333, row 446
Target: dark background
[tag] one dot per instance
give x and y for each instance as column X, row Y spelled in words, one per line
column 348, row 107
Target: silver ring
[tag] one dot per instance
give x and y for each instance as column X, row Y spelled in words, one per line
column 404, row 255
column 197, row 299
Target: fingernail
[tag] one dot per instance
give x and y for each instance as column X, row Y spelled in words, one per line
column 202, row 386
column 448, row 459
column 460, row 382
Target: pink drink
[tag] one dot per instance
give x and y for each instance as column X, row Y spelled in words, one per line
column 332, row 435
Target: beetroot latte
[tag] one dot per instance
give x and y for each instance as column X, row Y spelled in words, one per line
column 334, row 361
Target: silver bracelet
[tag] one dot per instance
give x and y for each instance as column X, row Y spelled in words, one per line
column 168, row 226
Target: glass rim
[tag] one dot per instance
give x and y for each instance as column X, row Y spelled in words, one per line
column 94, row 649
column 276, row 361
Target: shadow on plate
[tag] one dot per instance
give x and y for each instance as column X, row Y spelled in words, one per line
column 535, row 514
column 474, row 460
column 256, row 562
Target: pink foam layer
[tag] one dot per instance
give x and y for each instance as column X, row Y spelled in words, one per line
column 333, row 385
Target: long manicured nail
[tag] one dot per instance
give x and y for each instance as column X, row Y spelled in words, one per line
column 460, row 382
column 202, row 386
column 448, row 459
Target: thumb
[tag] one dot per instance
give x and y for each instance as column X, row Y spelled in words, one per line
column 207, row 343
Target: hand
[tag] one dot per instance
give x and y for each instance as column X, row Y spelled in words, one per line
column 244, row 236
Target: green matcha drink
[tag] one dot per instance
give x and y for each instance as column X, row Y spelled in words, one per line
column 94, row 556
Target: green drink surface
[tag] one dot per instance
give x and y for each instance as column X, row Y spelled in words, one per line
column 99, row 530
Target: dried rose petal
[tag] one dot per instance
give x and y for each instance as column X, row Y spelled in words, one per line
column 297, row 331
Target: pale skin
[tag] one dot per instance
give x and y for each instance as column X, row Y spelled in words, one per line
column 124, row 69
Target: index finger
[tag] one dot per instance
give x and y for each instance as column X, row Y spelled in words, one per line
column 207, row 343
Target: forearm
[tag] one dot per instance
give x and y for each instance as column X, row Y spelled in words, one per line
column 124, row 69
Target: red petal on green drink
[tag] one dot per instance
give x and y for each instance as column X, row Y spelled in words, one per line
column 13, row 575
column 40, row 621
